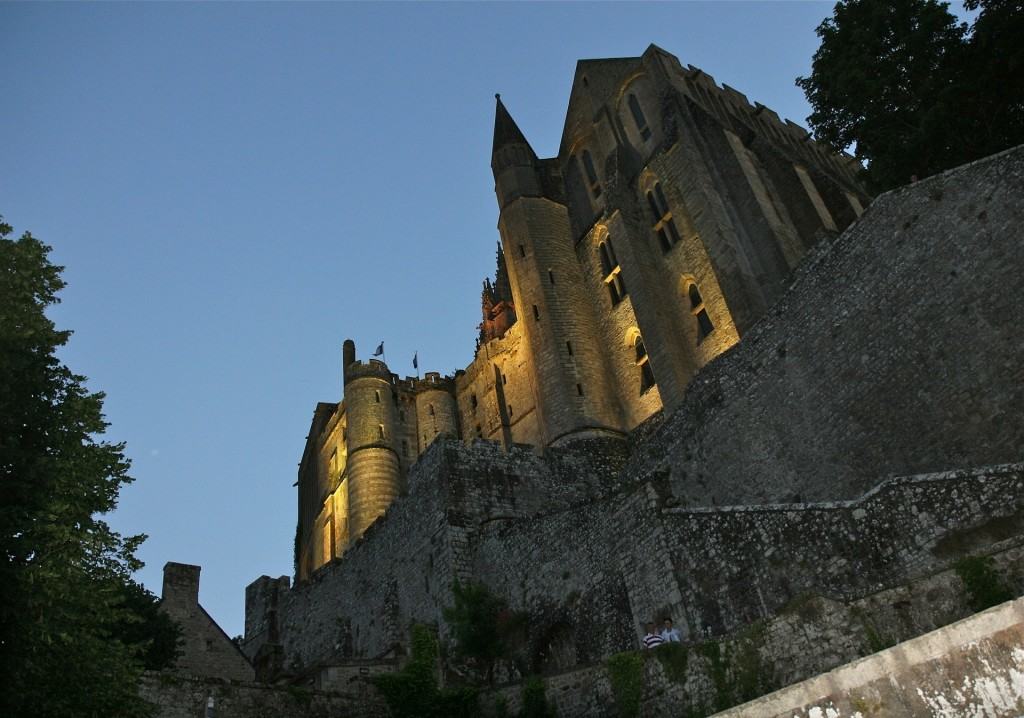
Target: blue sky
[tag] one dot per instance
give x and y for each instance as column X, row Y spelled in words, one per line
column 236, row 188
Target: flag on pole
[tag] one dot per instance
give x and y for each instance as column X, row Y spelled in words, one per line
column 380, row 350
column 415, row 361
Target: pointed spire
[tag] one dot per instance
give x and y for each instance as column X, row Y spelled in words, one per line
column 506, row 134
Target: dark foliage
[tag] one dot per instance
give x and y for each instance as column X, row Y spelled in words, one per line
column 913, row 91
column 482, row 624
column 413, row 692
column 70, row 643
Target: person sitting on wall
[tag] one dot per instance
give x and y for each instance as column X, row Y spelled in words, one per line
column 669, row 634
column 652, row 639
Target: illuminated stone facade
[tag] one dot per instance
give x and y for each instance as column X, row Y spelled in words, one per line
column 667, row 224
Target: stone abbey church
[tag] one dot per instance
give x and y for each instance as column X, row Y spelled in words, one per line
column 715, row 381
column 666, row 226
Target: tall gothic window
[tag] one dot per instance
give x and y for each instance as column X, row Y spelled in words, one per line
column 588, row 167
column 612, row 272
column 643, row 363
column 664, row 226
column 638, row 117
column 704, row 325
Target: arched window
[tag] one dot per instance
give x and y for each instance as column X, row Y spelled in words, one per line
column 638, row 117
column 643, row 363
column 588, row 167
column 664, row 226
column 612, row 271
column 376, row 395
column 704, row 325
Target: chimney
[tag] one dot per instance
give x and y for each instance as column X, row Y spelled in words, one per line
column 181, row 584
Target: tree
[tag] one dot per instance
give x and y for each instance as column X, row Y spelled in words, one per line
column 993, row 86
column 912, row 89
column 66, row 597
column 482, row 624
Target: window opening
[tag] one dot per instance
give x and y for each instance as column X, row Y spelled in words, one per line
column 568, row 347
column 376, row 395
column 536, row 313
column 472, row 401
column 380, row 430
column 551, row 276
column 430, row 409
column 664, row 226
column 522, row 250
column 643, row 362
column 588, row 167
column 704, row 324
column 579, row 389
column 612, row 272
column 638, row 117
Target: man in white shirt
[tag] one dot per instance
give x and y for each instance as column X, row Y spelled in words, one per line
column 670, row 634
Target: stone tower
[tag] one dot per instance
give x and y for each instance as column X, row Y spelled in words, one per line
column 571, row 386
column 374, row 476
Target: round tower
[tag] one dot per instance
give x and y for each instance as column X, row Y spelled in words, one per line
column 436, row 412
column 571, row 379
column 374, row 478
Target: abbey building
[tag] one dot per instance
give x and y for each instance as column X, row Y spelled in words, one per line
column 666, row 226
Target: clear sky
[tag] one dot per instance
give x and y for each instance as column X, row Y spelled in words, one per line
column 236, row 188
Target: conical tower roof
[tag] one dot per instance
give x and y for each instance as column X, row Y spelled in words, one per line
column 506, row 133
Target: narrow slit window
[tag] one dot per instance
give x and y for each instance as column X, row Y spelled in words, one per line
column 376, row 395
column 643, row 363
column 664, row 226
column 522, row 250
column 700, row 312
column 612, row 272
column 430, row 409
column 638, row 117
column 568, row 347
column 579, row 389
column 551, row 276
column 536, row 312
column 473, row 401
column 380, row 431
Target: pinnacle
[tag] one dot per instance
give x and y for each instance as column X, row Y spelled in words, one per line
column 506, row 131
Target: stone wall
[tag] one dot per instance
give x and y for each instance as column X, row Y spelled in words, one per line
column 913, row 301
column 177, row 697
column 974, row 667
column 402, row 569
column 590, row 576
column 810, row 636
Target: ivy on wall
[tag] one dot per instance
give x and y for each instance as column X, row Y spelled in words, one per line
column 413, row 693
column 985, row 587
column 626, row 672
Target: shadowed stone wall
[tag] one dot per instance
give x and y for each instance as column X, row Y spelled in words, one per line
column 897, row 350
